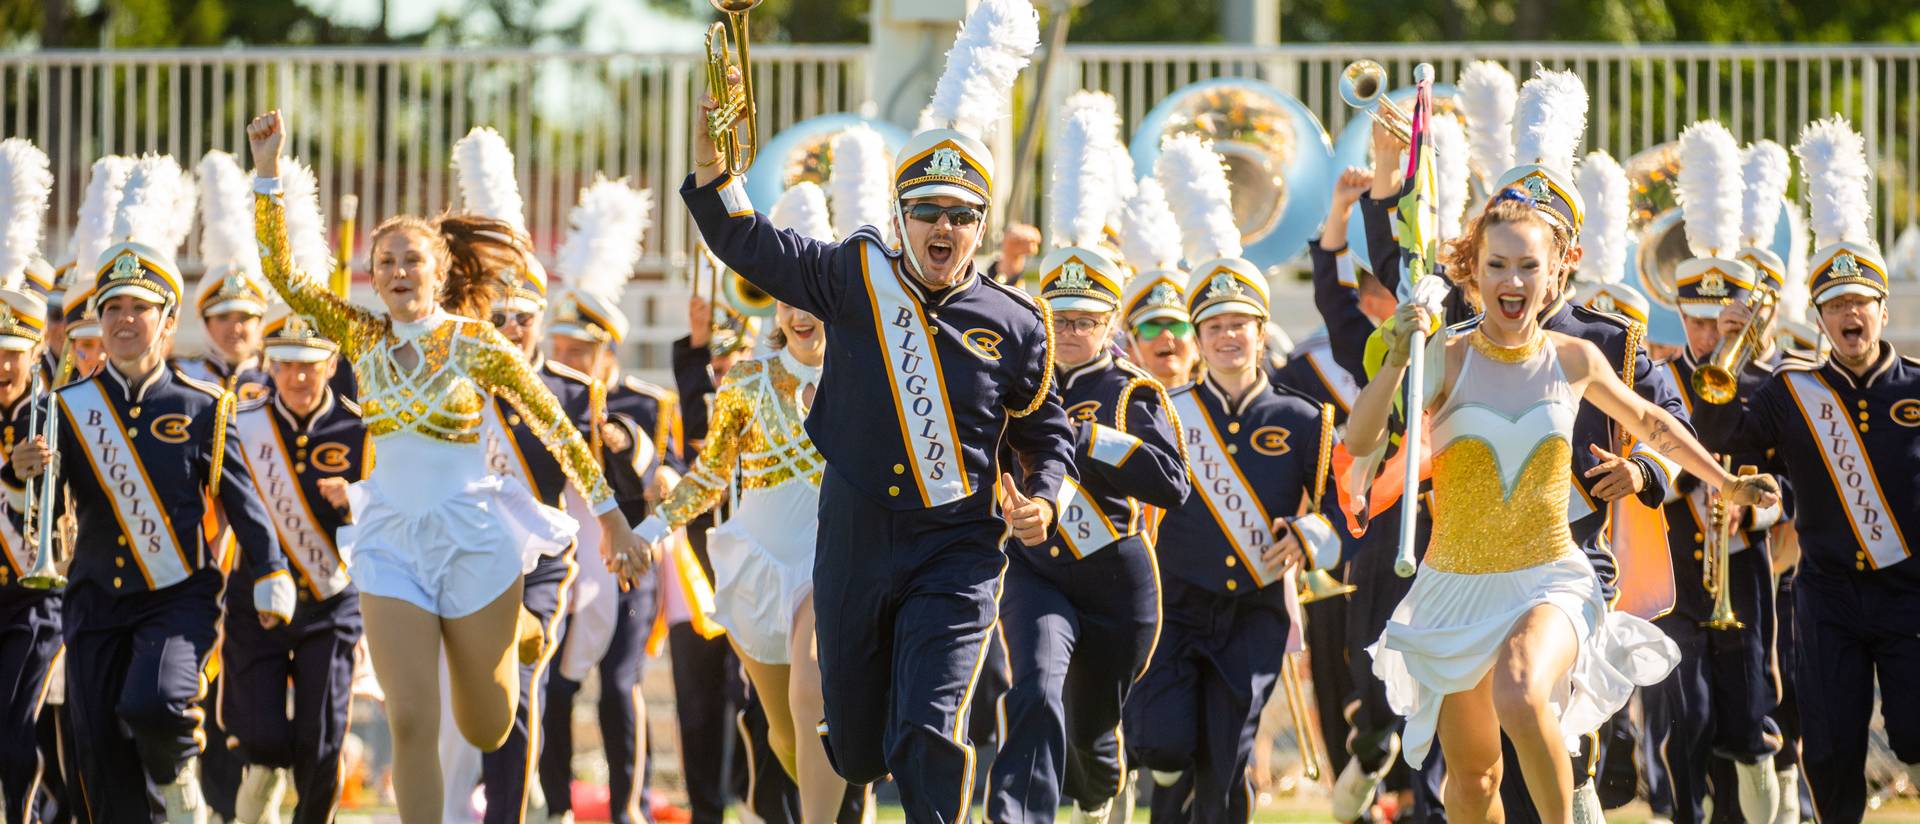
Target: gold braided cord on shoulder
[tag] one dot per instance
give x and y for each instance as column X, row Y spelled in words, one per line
column 1046, row 366
column 222, row 414
column 1325, row 460
column 1636, row 334
column 1144, row 381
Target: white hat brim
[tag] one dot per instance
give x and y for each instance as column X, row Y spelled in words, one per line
column 298, row 354
column 251, row 307
column 518, row 304
column 1161, row 313
column 926, row 190
column 1231, row 307
column 1080, row 303
column 14, row 343
column 1860, row 289
column 1701, row 310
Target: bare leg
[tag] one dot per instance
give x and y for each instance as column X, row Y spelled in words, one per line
column 1469, row 734
column 821, row 789
column 483, row 670
column 404, row 641
column 1533, row 662
column 770, row 686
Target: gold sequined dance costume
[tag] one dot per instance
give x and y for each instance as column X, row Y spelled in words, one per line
column 763, row 555
column 1500, row 547
column 432, row 525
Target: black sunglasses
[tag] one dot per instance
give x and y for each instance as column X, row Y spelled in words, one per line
column 501, row 319
column 930, row 213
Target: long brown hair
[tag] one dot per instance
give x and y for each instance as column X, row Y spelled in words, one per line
column 1462, row 256
column 482, row 248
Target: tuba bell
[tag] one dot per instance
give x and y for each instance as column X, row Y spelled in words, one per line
column 734, row 109
column 746, row 298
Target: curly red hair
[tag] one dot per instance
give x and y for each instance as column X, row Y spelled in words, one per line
column 1462, row 255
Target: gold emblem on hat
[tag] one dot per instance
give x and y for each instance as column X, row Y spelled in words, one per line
column 1713, row 284
column 1073, row 275
column 1537, row 187
column 569, row 311
column 127, row 265
column 1164, row 295
column 1846, row 266
column 7, row 319
column 1603, row 302
column 946, row 162
column 1224, row 285
column 297, row 327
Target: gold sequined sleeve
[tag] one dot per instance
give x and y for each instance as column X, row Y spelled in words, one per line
column 705, row 483
column 500, row 369
column 336, row 319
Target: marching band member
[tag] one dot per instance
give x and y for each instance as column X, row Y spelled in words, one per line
column 1254, row 455
column 31, row 642
column 1717, row 703
column 304, row 445
column 1080, row 612
column 1506, row 628
column 1154, row 306
column 231, row 301
column 763, row 555
column 909, row 560
column 439, row 542
column 598, row 257
column 143, row 610
column 1844, row 430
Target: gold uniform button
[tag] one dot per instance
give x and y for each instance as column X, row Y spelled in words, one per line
column 1054, row 551
column 1860, row 565
column 898, row 469
column 513, row 420
column 300, row 454
column 300, row 440
column 1864, row 415
column 1696, row 555
column 119, row 562
column 116, row 582
column 1697, row 537
column 1233, row 428
column 894, row 491
column 1233, row 449
column 300, row 468
column 1863, row 427
column 1863, row 403
column 1860, row 556
column 1233, row 585
column 1232, row 562
column 134, row 412
column 133, row 431
column 933, row 330
column 122, row 539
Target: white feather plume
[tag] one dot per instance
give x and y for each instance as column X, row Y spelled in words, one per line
column 185, row 206
column 1833, row 157
column 1082, row 191
column 1549, row 120
column 603, row 243
column 803, row 210
column 226, row 214
column 861, row 180
column 1708, row 187
column 93, row 234
column 1903, row 260
column 1765, row 167
column 1149, row 235
column 26, row 179
column 306, row 229
column 1125, row 185
column 1603, row 237
column 995, row 43
column 1798, row 236
column 147, row 203
column 1196, row 182
column 488, row 186
column 1488, row 94
column 1452, row 175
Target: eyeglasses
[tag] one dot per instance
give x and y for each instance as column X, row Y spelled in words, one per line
column 1080, row 326
column 501, row 319
column 1148, row 330
column 930, row 213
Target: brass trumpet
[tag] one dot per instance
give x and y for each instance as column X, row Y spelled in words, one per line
column 1718, row 380
column 1317, row 584
column 734, row 107
column 1306, row 729
column 38, row 516
column 1363, row 85
column 1713, row 564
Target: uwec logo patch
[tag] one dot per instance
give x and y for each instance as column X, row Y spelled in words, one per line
column 251, row 391
column 982, row 342
column 171, row 428
column 1906, row 413
column 1270, row 440
column 330, row 457
column 1084, row 410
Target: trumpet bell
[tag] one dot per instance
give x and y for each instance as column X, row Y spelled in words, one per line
column 735, row 6
column 49, row 580
column 1714, row 384
column 1362, row 82
column 746, row 298
column 1320, row 585
column 1278, row 158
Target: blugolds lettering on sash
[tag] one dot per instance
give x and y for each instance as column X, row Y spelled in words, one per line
column 1225, row 490
column 136, row 504
column 1846, row 460
column 307, row 545
column 919, row 394
column 1083, row 527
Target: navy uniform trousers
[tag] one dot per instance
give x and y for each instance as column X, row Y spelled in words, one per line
column 315, row 654
column 29, row 643
column 1199, row 705
column 621, row 711
column 1078, row 634
column 134, row 686
column 1852, row 629
column 904, row 605
column 1717, row 703
column 1787, row 715
column 508, row 772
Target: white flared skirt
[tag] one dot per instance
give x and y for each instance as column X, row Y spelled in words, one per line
column 434, row 528
column 1444, row 637
column 763, row 567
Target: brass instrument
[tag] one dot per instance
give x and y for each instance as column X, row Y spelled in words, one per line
column 1318, row 584
column 746, row 298
column 734, row 106
column 41, row 493
column 1306, row 730
column 1713, row 563
column 342, row 281
column 1718, row 380
column 1363, row 85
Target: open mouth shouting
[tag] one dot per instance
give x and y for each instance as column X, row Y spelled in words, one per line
column 1511, row 304
column 1852, row 335
column 940, row 252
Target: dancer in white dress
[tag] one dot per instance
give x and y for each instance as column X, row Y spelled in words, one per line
column 1505, row 629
